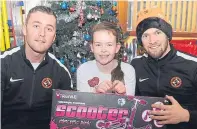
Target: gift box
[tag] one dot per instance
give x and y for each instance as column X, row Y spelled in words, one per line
column 80, row 110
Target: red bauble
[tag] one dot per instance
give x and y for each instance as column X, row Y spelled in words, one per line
column 71, row 9
column 124, row 58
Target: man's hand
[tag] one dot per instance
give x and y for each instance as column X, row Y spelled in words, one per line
column 170, row 114
column 104, row 87
column 119, row 87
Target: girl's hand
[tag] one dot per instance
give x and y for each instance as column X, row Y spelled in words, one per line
column 119, row 87
column 104, row 87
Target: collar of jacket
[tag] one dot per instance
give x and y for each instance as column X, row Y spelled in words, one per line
column 45, row 61
column 169, row 56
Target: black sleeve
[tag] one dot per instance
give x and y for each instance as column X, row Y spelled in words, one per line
column 193, row 113
column 137, row 92
column 193, row 119
column 132, row 63
column 65, row 81
column 3, row 76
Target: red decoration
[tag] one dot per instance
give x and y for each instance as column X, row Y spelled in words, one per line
column 93, row 82
column 186, row 46
column 124, row 58
column 71, row 9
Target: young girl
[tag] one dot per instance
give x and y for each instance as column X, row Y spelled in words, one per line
column 106, row 74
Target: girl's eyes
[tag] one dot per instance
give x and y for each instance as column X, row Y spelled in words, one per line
column 97, row 45
column 109, row 45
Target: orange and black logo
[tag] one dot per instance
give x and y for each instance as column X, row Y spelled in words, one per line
column 47, row 83
column 176, row 82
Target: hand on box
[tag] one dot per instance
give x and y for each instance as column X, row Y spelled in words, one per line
column 170, row 114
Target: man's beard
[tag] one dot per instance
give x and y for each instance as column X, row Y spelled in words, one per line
column 158, row 53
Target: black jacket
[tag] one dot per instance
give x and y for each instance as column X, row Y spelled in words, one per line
column 27, row 93
column 174, row 75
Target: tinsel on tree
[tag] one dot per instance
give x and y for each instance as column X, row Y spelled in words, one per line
column 74, row 19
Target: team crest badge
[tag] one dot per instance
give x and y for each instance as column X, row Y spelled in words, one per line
column 47, row 83
column 176, row 82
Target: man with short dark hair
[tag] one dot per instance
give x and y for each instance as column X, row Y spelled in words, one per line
column 30, row 72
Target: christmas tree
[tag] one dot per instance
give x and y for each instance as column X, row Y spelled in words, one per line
column 74, row 19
